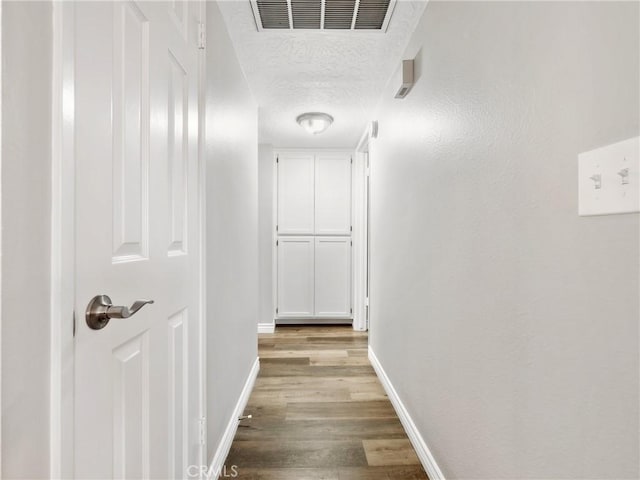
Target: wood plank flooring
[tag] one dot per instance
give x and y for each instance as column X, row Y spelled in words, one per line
column 320, row 413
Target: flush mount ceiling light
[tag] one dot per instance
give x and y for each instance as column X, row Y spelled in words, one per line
column 315, row 122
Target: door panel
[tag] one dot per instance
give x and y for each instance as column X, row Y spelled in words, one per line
column 130, row 133
column 178, row 393
column 333, row 194
column 332, row 277
column 295, row 276
column 178, row 101
column 295, row 194
column 136, row 141
column 131, row 408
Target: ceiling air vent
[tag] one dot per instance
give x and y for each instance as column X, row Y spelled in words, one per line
column 338, row 14
column 274, row 13
column 371, row 14
column 306, row 13
column 332, row 15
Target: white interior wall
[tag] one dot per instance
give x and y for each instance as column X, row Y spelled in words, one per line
column 26, row 237
column 265, row 233
column 507, row 324
column 231, row 151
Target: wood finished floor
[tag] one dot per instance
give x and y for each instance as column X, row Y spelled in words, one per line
column 320, row 413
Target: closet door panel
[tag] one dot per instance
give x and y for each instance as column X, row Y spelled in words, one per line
column 295, row 193
column 333, row 277
column 295, row 277
column 333, row 194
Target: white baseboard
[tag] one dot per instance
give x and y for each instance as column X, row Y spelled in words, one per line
column 269, row 327
column 420, row 446
column 217, row 463
column 313, row 321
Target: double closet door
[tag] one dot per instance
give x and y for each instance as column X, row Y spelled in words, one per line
column 314, row 229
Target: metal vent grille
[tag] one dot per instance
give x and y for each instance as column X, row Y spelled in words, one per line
column 338, row 14
column 273, row 13
column 368, row 15
column 371, row 14
column 306, row 13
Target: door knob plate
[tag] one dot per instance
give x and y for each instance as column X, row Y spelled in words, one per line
column 96, row 314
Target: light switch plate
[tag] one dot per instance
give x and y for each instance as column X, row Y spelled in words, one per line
column 615, row 169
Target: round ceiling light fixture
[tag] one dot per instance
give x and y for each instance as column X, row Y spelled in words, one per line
column 315, row 122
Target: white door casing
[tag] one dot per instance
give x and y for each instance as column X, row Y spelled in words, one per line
column 367, row 240
column 360, row 251
column 137, row 392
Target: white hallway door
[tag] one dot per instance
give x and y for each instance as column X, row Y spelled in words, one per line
column 136, row 404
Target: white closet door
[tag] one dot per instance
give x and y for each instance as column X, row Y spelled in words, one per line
column 333, row 277
column 295, row 277
column 295, row 193
column 333, row 194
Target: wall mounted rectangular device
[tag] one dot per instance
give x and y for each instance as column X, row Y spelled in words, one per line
column 407, row 79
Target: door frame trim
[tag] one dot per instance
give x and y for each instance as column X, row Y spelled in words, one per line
column 360, row 230
column 202, row 238
column 274, row 237
column 1, row 291
column 62, row 244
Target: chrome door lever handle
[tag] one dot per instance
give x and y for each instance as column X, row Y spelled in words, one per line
column 126, row 312
column 100, row 310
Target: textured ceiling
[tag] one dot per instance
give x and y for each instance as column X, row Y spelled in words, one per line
column 341, row 73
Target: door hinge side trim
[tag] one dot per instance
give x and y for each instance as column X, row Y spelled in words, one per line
column 202, row 36
column 203, row 430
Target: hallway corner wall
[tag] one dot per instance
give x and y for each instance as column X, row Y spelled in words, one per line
column 265, row 234
column 508, row 324
column 231, row 155
column 26, row 237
